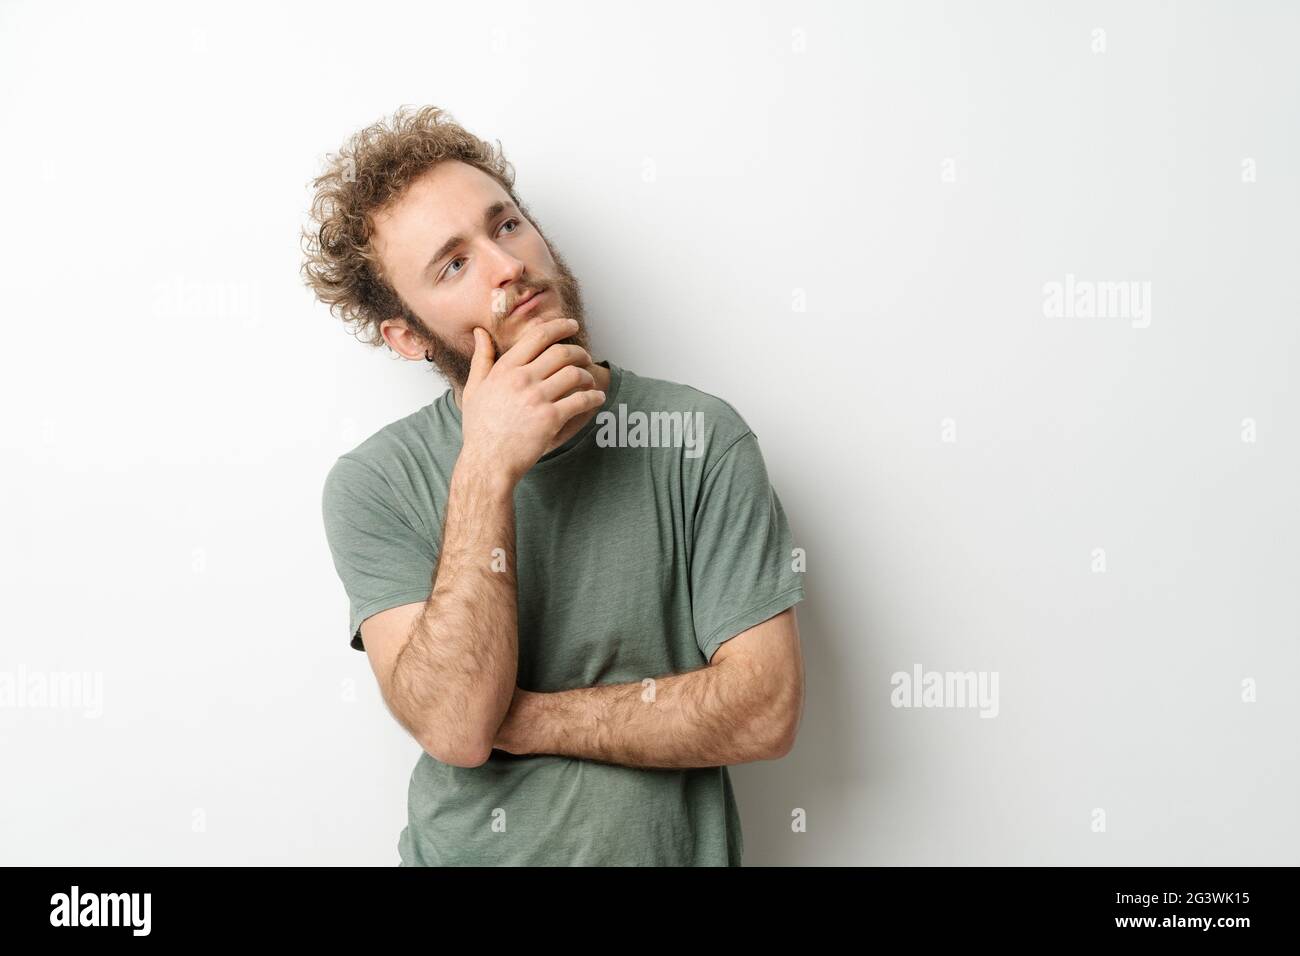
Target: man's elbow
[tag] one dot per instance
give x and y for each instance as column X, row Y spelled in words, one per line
column 456, row 753
column 470, row 747
column 783, row 722
column 780, row 742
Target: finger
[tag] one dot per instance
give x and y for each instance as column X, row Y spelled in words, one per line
column 565, row 381
column 538, row 338
column 481, row 363
column 557, row 357
column 580, row 402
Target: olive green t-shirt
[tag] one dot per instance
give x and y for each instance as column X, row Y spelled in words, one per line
column 642, row 544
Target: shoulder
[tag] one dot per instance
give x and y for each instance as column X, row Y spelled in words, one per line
column 391, row 456
column 721, row 423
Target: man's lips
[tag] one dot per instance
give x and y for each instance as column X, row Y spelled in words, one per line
column 529, row 298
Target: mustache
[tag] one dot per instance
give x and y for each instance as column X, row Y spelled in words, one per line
column 503, row 305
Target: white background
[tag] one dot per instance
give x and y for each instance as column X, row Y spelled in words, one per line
column 754, row 197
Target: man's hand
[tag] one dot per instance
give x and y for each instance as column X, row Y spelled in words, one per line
column 513, row 408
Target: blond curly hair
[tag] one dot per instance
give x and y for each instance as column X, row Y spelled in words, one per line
column 372, row 170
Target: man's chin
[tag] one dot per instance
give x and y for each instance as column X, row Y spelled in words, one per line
column 454, row 365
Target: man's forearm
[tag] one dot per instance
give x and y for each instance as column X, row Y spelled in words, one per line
column 455, row 677
column 715, row 716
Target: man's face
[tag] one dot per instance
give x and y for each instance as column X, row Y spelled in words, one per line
column 460, row 254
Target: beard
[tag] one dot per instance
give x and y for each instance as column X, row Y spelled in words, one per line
column 454, row 364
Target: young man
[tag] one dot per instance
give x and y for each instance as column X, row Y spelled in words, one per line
column 575, row 584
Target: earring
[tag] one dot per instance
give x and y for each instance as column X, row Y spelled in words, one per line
column 427, row 356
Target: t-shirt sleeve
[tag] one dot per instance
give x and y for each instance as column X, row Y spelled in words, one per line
column 742, row 566
column 382, row 560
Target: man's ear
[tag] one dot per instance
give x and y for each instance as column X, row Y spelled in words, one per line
column 402, row 339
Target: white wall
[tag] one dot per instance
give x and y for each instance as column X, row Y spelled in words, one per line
column 173, row 397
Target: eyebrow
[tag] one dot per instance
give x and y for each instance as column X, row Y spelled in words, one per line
column 448, row 247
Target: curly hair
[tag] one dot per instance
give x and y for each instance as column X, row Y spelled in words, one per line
column 371, row 171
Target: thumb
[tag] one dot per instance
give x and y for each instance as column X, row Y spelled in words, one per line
column 484, row 355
